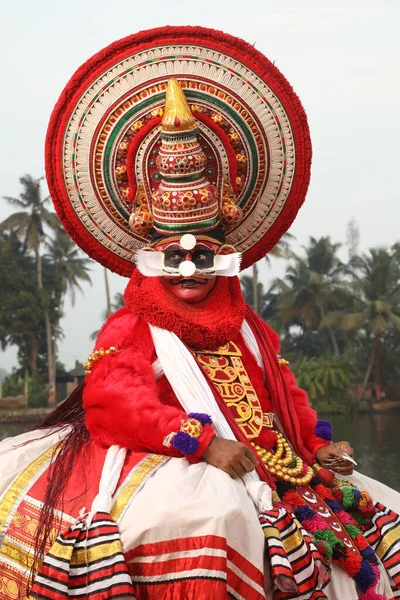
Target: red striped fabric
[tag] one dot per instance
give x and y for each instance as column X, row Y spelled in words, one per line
column 384, row 537
column 85, row 562
column 198, row 567
column 297, row 569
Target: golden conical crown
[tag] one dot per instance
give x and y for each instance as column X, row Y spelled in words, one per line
column 177, row 114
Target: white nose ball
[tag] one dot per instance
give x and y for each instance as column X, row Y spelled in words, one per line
column 187, row 268
column 188, row 241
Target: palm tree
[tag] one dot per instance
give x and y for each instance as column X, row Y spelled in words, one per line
column 116, row 305
column 313, row 287
column 280, row 250
column 72, row 267
column 267, row 301
column 29, row 223
column 376, row 307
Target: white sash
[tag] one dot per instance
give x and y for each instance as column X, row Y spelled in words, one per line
column 195, row 395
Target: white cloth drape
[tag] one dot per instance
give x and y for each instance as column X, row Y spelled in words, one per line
column 191, row 388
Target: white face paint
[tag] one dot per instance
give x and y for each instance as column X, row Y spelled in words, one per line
column 187, row 268
column 188, row 241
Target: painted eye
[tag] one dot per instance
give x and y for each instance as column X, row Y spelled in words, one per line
column 173, row 258
column 203, row 259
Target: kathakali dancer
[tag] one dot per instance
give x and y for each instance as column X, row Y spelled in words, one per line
column 188, row 464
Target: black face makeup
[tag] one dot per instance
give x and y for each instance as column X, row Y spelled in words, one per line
column 202, row 257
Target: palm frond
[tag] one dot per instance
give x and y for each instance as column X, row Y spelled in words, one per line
column 17, row 222
column 17, row 202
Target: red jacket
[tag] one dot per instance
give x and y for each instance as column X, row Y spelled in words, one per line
column 125, row 405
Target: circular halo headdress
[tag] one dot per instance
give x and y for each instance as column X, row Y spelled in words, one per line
column 229, row 145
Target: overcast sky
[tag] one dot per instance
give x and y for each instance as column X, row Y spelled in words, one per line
column 341, row 57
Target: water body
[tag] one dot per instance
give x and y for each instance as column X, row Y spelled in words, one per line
column 376, row 442
column 375, row 439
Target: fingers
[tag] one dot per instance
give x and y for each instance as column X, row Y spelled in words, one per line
column 242, row 466
column 251, row 457
column 244, row 463
column 247, row 464
column 344, row 468
column 240, row 470
column 329, row 463
column 231, row 472
column 345, row 447
column 336, row 452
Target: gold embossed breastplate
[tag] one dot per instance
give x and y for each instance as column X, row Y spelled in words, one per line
column 226, row 370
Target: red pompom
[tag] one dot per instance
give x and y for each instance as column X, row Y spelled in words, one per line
column 323, row 491
column 293, row 498
column 361, row 542
column 339, row 495
column 351, row 563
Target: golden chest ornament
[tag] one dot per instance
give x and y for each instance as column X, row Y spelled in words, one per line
column 225, row 368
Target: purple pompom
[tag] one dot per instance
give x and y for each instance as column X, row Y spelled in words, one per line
column 334, row 505
column 369, row 555
column 203, row 418
column 365, row 577
column 357, row 496
column 185, row 443
column 304, row 513
column 323, row 429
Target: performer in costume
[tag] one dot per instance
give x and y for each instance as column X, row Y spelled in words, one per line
column 189, row 464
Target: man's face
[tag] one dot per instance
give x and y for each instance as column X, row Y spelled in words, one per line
column 194, row 288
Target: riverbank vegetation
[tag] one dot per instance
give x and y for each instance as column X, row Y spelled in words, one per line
column 339, row 321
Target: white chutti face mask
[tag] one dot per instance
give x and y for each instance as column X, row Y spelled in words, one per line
column 152, row 264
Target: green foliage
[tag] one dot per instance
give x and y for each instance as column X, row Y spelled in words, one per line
column 30, row 220
column 22, row 304
column 13, row 385
column 328, row 380
column 267, row 300
column 72, row 267
column 34, row 286
column 313, row 286
column 16, row 384
column 37, row 393
column 352, row 309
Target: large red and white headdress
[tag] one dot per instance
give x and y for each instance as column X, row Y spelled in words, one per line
column 229, row 146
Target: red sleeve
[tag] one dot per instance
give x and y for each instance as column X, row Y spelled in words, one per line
column 306, row 415
column 121, row 396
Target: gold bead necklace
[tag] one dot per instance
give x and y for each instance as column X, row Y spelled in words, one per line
column 278, row 462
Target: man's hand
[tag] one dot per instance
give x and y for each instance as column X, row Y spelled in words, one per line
column 234, row 458
column 331, row 457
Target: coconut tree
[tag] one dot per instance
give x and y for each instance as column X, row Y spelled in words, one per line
column 280, row 250
column 21, row 306
column 376, row 305
column 72, row 267
column 29, row 223
column 313, row 286
column 115, row 305
column 267, row 301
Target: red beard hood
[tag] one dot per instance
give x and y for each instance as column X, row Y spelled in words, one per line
column 205, row 325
